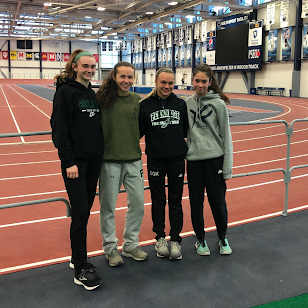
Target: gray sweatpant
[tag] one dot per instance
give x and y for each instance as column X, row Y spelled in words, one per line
column 112, row 176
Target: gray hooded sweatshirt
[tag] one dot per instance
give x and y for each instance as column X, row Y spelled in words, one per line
column 209, row 134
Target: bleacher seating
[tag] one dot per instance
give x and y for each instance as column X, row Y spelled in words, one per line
column 270, row 91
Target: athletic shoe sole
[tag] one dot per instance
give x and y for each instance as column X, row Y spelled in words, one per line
column 78, row 282
column 178, row 258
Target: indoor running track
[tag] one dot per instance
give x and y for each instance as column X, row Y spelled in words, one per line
column 36, row 235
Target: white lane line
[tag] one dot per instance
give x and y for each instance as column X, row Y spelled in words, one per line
column 31, row 103
column 22, row 138
column 29, row 163
column 270, row 147
column 31, row 195
column 269, row 136
column 22, row 153
column 148, row 242
column 29, row 176
column 125, row 207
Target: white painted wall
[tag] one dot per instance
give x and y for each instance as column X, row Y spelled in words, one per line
column 235, row 83
column 304, row 79
column 150, row 77
column 183, row 72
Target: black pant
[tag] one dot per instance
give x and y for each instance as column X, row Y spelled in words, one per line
column 157, row 169
column 81, row 192
column 207, row 174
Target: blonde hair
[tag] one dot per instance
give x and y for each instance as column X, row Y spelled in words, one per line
column 161, row 70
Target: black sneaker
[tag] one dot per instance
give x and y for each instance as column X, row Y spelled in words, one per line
column 72, row 265
column 87, row 277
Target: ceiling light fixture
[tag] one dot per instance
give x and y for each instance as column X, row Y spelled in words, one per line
column 149, row 13
column 173, row 3
column 101, row 8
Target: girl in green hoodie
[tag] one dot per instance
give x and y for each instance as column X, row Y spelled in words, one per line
column 209, row 156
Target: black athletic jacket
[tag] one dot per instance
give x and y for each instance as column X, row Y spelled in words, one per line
column 75, row 123
column 164, row 123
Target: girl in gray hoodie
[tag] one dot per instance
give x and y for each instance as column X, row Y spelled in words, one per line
column 209, row 156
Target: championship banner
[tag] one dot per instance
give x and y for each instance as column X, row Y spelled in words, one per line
column 21, row 55
column 183, row 55
column 29, row 55
column 305, row 41
column 181, row 35
column 203, row 30
column 145, row 60
column 175, row 37
column 304, row 8
column 197, row 53
column 168, row 36
column 255, row 33
column 197, row 30
column 159, row 64
column 164, row 57
column 286, row 38
column 44, row 56
column 5, row 55
column 270, row 20
column 204, row 52
column 188, row 57
column 284, row 10
column 176, row 56
column 153, row 58
column 169, row 57
column 162, row 40
column 51, row 56
column 134, row 60
column 66, row 57
column 13, row 55
column 148, row 42
column 187, row 34
column 272, row 45
column 37, row 56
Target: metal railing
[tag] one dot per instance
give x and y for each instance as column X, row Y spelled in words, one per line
column 286, row 172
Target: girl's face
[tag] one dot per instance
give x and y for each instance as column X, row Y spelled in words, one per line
column 124, row 79
column 201, row 83
column 85, row 69
column 164, row 84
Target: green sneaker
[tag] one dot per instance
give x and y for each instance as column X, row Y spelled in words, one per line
column 224, row 247
column 202, row 248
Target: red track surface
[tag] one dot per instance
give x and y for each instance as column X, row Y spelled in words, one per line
column 31, row 171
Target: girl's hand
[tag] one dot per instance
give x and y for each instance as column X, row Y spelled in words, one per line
column 72, row 172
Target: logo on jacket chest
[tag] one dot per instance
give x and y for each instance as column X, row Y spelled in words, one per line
column 89, row 106
column 165, row 117
column 200, row 115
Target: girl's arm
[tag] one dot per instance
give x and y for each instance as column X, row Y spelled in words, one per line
column 225, row 133
column 61, row 121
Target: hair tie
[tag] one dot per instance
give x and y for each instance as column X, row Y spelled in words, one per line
column 83, row 53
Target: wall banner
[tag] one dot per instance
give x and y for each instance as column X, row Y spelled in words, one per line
column 183, row 55
column 188, row 55
column 13, row 55
column 204, row 52
column 197, row 53
column 159, row 64
column 21, row 55
column 37, row 56
column 286, row 38
column 304, row 8
column 153, row 58
column 203, row 30
column 284, row 10
column 272, row 45
column 169, row 57
column 270, row 16
column 176, row 56
column 51, row 56
column 29, row 55
column 58, row 56
column 145, row 60
column 164, row 57
column 134, row 60
column 5, row 55
column 149, row 58
column 305, row 41
column 255, row 33
column 140, row 61
column 197, row 30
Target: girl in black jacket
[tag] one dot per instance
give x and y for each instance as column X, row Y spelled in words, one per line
column 164, row 123
column 77, row 134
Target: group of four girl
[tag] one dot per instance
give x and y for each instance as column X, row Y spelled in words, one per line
column 97, row 136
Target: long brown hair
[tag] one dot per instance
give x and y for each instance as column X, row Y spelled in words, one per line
column 206, row 69
column 161, row 70
column 107, row 92
column 69, row 71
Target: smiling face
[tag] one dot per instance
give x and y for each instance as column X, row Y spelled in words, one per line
column 201, row 83
column 164, row 84
column 85, row 69
column 124, row 79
